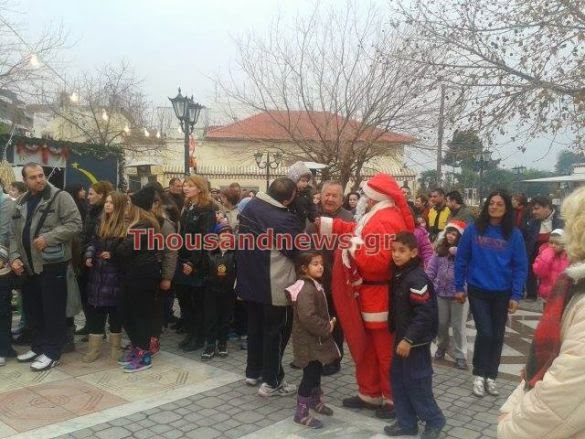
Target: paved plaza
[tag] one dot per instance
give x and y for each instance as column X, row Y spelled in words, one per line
column 183, row 397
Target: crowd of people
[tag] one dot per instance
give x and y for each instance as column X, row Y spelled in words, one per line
column 74, row 251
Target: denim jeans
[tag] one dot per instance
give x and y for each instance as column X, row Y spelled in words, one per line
column 490, row 312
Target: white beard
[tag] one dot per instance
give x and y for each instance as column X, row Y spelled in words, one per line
column 361, row 208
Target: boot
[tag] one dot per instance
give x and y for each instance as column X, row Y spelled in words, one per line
column 302, row 415
column 95, row 348
column 317, row 404
column 116, row 342
column 69, row 345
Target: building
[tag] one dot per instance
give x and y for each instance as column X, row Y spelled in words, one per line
column 13, row 113
column 226, row 153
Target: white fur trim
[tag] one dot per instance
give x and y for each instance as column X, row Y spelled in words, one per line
column 364, row 219
column 375, row 316
column 370, row 399
column 374, row 194
column 576, row 271
column 326, row 227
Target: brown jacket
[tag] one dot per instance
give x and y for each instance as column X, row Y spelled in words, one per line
column 312, row 340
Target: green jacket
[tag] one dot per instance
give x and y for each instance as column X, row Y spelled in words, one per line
column 62, row 224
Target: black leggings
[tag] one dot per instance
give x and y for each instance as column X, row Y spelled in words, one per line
column 137, row 310
column 191, row 302
column 96, row 319
column 311, row 378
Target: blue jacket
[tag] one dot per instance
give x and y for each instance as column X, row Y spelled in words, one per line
column 491, row 263
column 264, row 273
column 533, row 229
column 413, row 315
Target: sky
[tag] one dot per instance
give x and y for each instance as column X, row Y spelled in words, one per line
column 187, row 43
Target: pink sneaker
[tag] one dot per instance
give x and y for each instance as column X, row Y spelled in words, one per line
column 154, row 347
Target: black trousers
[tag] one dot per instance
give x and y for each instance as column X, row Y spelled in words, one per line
column 191, row 300
column 97, row 316
column 240, row 318
column 269, row 329
column 137, row 310
column 219, row 308
column 311, row 378
column 158, row 313
column 44, row 301
column 5, row 315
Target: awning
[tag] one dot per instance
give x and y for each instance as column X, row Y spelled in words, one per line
column 559, row 179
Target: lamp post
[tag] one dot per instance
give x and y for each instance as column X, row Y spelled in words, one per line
column 187, row 111
column 519, row 171
column 268, row 163
column 482, row 158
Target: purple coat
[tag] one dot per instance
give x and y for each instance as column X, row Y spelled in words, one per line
column 425, row 248
column 104, row 285
column 441, row 270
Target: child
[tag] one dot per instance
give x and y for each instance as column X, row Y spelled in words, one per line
column 551, row 261
column 425, row 248
column 303, row 205
column 219, row 292
column 413, row 320
column 452, row 313
column 313, row 345
column 140, row 281
column 104, row 284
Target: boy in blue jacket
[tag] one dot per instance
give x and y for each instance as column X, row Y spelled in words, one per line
column 414, row 322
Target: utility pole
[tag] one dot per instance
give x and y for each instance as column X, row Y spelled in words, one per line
column 440, row 136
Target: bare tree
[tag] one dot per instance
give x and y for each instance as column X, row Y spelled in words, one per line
column 26, row 65
column 327, row 68
column 519, row 61
column 107, row 108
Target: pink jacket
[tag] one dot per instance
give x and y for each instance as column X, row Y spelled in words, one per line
column 547, row 267
column 425, row 248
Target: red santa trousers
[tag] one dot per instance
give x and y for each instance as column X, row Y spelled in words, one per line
column 372, row 371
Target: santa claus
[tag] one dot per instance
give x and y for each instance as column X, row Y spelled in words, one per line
column 360, row 287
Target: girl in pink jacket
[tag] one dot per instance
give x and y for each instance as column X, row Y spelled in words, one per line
column 551, row 261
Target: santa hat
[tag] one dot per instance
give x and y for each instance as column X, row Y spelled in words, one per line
column 383, row 187
column 457, row 225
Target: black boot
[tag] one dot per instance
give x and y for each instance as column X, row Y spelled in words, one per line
column 185, row 341
column 194, row 345
column 69, row 345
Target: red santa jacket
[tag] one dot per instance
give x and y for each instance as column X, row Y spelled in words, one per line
column 371, row 252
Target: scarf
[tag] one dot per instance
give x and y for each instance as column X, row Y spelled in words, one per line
column 546, row 343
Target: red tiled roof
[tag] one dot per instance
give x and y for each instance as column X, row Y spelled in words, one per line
column 271, row 126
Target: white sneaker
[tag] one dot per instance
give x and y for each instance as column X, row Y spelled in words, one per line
column 490, row 387
column 43, row 363
column 27, row 357
column 284, row 389
column 2, row 361
column 251, row 381
column 479, row 386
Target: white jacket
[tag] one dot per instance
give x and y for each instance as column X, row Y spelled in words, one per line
column 555, row 407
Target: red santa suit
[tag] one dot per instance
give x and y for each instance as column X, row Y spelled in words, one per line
column 360, row 284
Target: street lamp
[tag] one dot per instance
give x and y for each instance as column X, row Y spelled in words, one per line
column 482, row 158
column 519, row 171
column 268, row 163
column 187, row 111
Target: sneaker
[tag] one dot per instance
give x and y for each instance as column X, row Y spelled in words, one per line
column 395, row 430
column 2, row 361
column 208, row 353
column 154, row 347
column 461, row 364
column 479, row 386
column 284, row 389
column 127, row 357
column 440, row 354
column 42, row 362
column 490, row 387
column 253, row 382
column 27, row 357
column 222, row 349
column 142, row 361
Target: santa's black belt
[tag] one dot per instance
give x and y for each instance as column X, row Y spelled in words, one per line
column 375, row 282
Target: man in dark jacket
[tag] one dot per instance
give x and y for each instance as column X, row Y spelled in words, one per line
column 263, row 274
column 544, row 220
column 330, row 206
column 414, row 321
column 459, row 211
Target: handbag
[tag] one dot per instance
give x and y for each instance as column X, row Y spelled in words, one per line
column 51, row 253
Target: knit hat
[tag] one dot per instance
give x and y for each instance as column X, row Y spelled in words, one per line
column 457, row 225
column 222, row 226
column 144, row 198
column 383, row 187
column 297, row 171
column 558, row 232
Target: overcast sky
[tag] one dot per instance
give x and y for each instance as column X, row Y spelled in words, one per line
column 186, row 42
